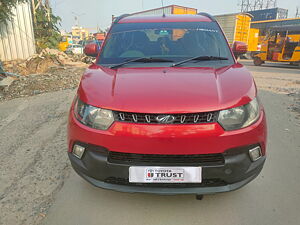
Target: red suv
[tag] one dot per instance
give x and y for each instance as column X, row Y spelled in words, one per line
column 167, row 109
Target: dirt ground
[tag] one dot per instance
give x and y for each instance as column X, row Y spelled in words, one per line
column 33, row 162
column 284, row 83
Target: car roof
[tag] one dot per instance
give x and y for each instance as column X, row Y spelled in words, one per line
column 166, row 18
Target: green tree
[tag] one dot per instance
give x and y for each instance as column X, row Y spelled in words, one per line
column 6, row 7
column 46, row 29
column 45, row 23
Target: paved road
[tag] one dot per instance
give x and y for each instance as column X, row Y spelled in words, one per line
column 33, row 162
column 271, row 67
column 275, row 77
column 37, row 184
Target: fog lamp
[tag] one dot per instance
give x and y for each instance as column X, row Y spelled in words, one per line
column 78, row 151
column 255, row 153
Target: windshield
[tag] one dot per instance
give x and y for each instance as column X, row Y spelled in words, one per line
column 172, row 41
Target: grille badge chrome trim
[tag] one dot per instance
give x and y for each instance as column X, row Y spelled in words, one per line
column 165, row 119
column 187, row 118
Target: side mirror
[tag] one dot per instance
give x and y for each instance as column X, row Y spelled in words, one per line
column 239, row 48
column 91, row 49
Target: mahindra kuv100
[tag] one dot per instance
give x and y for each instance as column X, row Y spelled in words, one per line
column 167, row 109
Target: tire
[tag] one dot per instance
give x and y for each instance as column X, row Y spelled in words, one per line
column 257, row 61
column 252, row 54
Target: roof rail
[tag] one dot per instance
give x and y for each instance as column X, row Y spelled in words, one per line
column 207, row 15
column 117, row 19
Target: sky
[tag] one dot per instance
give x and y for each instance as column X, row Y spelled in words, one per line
column 98, row 13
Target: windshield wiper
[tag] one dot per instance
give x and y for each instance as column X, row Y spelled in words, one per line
column 141, row 59
column 200, row 58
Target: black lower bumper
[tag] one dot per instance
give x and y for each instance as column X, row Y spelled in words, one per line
column 236, row 170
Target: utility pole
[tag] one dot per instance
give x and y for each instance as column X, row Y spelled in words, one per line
column 76, row 17
column 252, row 5
column 297, row 12
column 271, row 4
column 259, row 4
column 245, row 5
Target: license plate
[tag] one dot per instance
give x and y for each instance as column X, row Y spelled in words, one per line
column 143, row 174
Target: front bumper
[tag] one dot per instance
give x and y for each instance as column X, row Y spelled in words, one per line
column 209, row 138
column 236, row 170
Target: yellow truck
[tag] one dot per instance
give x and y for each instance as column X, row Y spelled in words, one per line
column 254, row 40
column 281, row 44
column 66, row 40
column 258, row 31
column 236, row 26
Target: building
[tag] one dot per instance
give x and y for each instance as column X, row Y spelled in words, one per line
column 79, row 33
column 236, row 26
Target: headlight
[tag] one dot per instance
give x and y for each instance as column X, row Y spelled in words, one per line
column 239, row 117
column 92, row 116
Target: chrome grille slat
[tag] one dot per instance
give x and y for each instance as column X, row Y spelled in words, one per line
column 209, row 117
column 122, row 116
column 183, row 118
column 148, row 118
column 134, row 117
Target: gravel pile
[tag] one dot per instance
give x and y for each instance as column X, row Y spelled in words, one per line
column 40, row 63
column 56, row 78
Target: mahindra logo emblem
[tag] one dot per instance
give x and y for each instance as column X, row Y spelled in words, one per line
column 165, row 118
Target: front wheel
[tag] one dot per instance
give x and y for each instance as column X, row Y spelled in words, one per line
column 257, row 61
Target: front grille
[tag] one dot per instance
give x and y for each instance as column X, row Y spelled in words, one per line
column 204, row 183
column 186, row 118
column 132, row 158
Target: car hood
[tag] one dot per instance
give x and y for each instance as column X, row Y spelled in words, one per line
column 167, row 90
